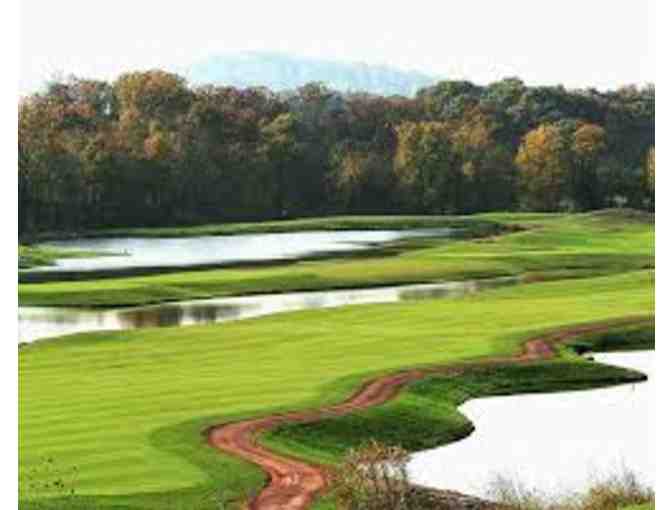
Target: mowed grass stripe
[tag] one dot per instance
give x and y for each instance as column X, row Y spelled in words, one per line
column 146, row 381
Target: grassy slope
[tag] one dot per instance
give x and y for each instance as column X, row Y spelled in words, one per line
column 300, row 225
column 555, row 246
column 426, row 414
column 172, row 383
column 128, row 408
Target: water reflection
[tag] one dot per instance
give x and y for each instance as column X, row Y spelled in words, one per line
column 42, row 322
column 135, row 252
column 451, row 289
column 553, row 443
column 176, row 314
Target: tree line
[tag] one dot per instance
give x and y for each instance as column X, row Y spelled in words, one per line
column 148, row 149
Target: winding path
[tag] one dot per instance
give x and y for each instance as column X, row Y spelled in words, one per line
column 293, row 484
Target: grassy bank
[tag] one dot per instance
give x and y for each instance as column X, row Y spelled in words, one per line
column 37, row 256
column 624, row 339
column 330, row 223
column 426, row 415
column 129, row 408
column 551, row 247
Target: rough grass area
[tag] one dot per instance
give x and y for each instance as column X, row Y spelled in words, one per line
column 551, row 247
column 128, row 409
column 618, row 491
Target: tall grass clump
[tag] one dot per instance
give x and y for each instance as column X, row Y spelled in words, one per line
column 619, row 491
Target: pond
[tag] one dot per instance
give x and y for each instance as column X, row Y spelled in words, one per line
column 555, row 443
column 138, row 252
column 42, row 322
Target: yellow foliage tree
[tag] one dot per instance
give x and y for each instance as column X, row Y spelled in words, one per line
column 425, row 164
column 651, row 168
column 543, row 166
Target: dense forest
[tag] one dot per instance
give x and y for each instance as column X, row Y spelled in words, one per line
column 148, row 149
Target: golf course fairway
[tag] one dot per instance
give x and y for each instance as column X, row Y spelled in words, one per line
column 129, row 410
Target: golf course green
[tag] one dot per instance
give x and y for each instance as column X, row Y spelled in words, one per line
column 118, row 419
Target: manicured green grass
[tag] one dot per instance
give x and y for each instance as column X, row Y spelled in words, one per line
column 552, row 247
column 425, row 415
column 299, row 225
column 35, row 256
column 129, row 408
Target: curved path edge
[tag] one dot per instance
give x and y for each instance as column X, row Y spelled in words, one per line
column 293, row 484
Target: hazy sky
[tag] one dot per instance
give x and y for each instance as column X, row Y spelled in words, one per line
column 600, row 43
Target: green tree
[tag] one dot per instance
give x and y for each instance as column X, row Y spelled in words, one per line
column 282, row 149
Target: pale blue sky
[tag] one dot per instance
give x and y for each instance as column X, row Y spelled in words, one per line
column 600, row 43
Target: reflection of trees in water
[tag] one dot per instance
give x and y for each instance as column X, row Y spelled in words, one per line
column 212, row 313
column 155, row 317
column 451, row 290
column 171, row 315
column 59, row 322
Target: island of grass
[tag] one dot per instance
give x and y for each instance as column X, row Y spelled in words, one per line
column 129, row 409
column 538, row 247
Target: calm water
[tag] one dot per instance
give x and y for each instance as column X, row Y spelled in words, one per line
column 135, row 252
column 42, row 322
column 551, row 442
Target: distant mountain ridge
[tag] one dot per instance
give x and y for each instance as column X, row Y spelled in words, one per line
column 281, row 72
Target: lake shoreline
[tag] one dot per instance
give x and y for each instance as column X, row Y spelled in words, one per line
column 510, row 436
column 325, row 223
column 225, row 309
column 307, row 480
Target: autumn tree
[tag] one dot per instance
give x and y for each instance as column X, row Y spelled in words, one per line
column 544, row 168
column 486, row 162
column 149, row 149
column 651, row 169
column 427, row 167
column 588, row 146
column 282, row 149
column 361, row 178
